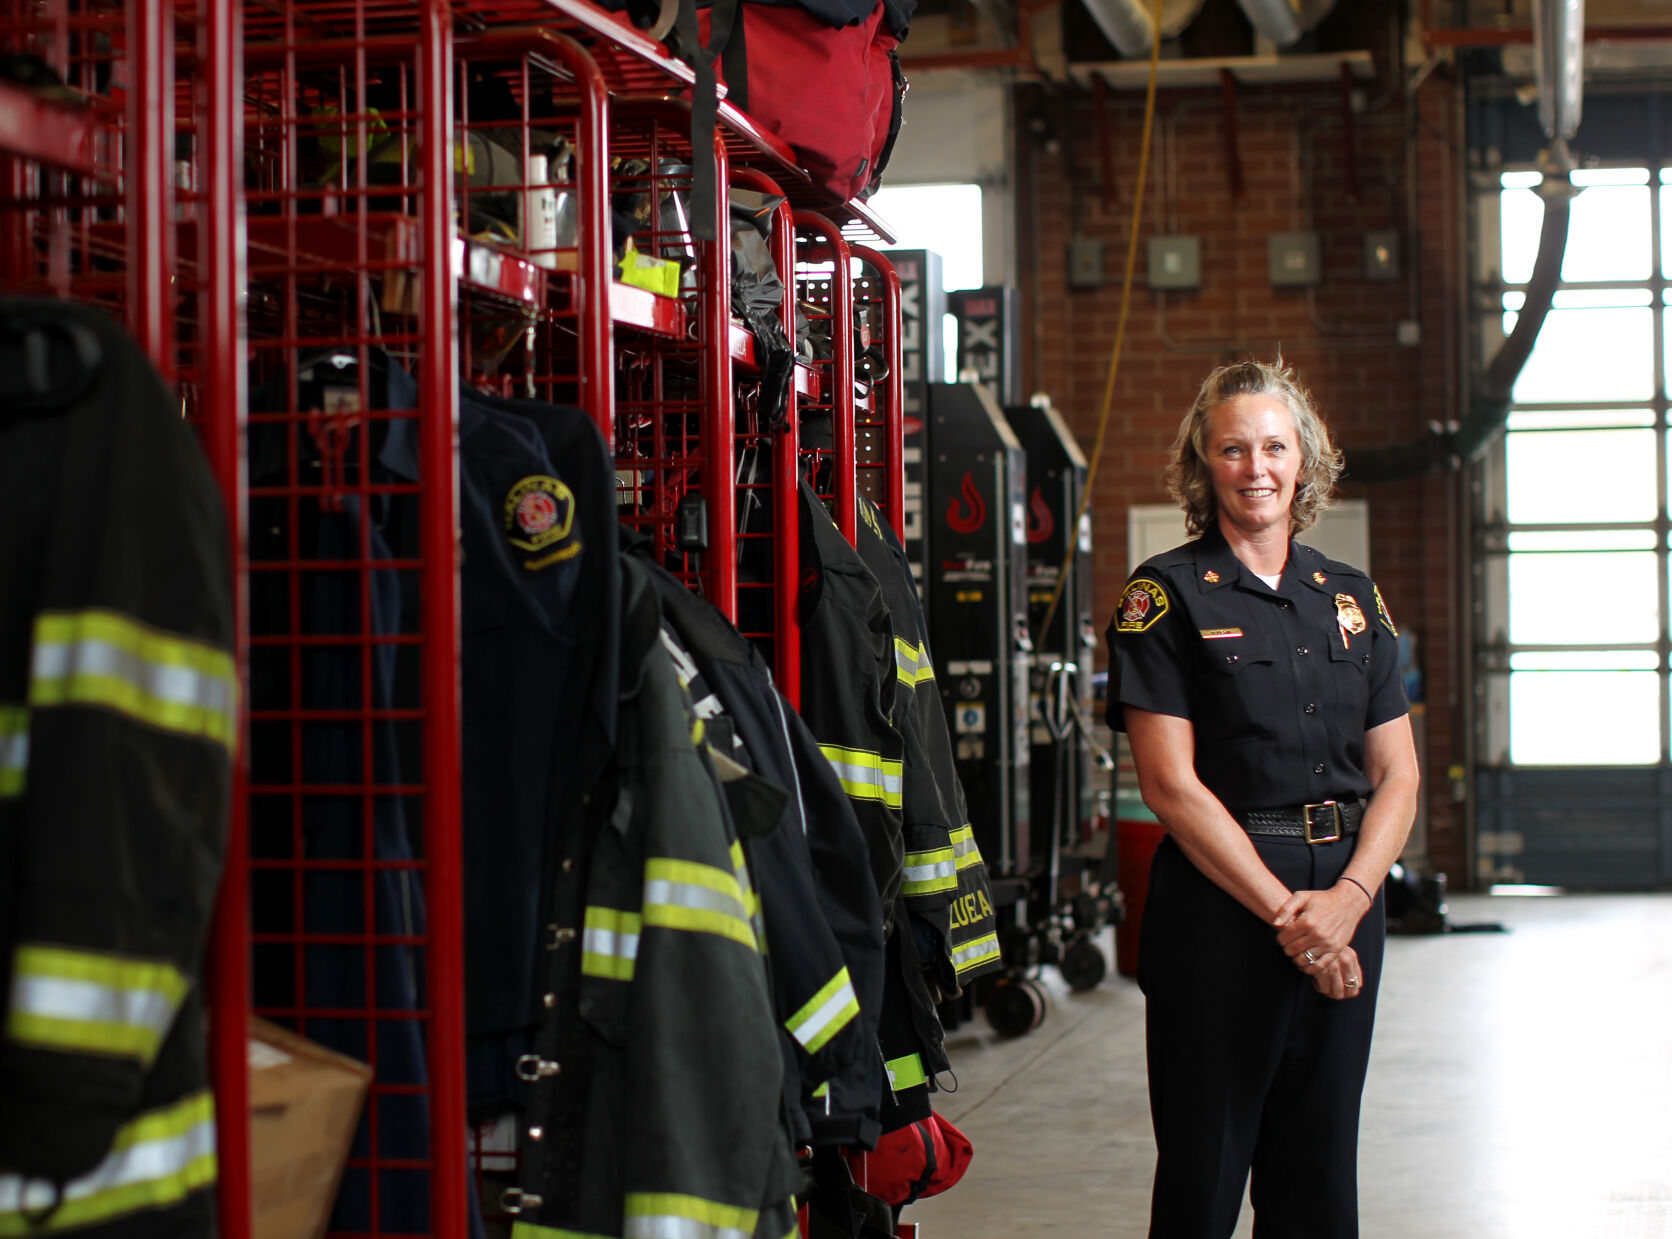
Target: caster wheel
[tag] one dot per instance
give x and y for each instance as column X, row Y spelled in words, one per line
column 1083, row 965
column 1015, row 1007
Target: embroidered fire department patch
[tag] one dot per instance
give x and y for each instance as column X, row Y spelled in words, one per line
column 1143, row 603
column 1348, row 614
column 1382, row 611
column 540, row 514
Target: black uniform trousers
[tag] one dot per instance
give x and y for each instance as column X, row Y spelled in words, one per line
column 1250, row 1068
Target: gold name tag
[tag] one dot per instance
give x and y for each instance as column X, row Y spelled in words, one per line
column 1214, row 634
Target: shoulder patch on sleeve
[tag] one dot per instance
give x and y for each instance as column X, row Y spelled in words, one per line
column 1382, row 611
column 1141, row 605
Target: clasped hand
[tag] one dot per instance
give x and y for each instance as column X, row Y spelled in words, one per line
column 1315, row 930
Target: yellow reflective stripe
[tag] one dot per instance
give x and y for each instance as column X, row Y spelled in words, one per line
column 667, row 1215
column 682, row 894
column 751, row 898
column 697, row 731
column 528, row 1230
column 867, row 775
column 930, row 871
column 976, row 952
column 14, row 749
column 102, row 659
column 906, row 1072
column 963, row 844
column 157, row 1159
column 822, row 1090
column 825, row 1014
column 911, row 663
column 87, row 1003
column 610, row 943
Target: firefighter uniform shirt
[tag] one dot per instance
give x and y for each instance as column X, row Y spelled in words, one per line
column 1280, row 685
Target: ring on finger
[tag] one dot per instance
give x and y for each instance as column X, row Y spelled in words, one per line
column 1311, row 957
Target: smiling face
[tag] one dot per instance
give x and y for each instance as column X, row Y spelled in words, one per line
column 1253, row 454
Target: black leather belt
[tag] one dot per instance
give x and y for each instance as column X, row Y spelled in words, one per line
column 1314, row 823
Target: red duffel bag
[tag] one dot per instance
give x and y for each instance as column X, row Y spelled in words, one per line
column 920, row 1159
column 834, row 93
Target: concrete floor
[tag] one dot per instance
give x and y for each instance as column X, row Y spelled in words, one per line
column 1520, row 1088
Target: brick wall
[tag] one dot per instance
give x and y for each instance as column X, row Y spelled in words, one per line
column 1372, row 390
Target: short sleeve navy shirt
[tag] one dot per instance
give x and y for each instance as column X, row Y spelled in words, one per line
column 1280, row 685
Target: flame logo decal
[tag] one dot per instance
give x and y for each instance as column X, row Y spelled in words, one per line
column 971, row 499
column 1043, row 523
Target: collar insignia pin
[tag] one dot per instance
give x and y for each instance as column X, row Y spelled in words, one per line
column 1211, row 577
column 1318, row 577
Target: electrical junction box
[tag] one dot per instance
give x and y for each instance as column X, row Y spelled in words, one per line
column 1175, row 262
column 1085, row 262
column 1381, row 254
column 1293, row 260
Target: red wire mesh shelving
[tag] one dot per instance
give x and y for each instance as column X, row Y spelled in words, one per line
column 281, row 201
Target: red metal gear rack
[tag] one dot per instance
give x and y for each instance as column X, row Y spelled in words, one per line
column 348, row 109
column 880, row 429
column 825, row 287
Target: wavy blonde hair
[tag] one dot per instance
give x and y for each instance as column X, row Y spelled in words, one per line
column 1188, row 478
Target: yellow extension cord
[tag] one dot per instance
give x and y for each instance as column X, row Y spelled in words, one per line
column 1120, row 332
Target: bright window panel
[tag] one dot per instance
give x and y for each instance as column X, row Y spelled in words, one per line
column 1578, row 419
column 943, row 218
column 1599, row 298
column 1591, row 598
column 1609, row 235
column 1552, row 477
column 1588, row 356
column 1554, row 540
column 1584, row 660
column 1520, row 218
column 1584, row 718
column 1666, row 224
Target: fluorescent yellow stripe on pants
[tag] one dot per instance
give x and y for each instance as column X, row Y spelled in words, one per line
column 89, row 1003
column 685, row 895
column 14, row 749
column 108, row 661
column 666, row 1215
column 156, row 1160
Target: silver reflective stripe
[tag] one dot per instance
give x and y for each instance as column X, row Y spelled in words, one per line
column 177, row 685
column 832, row 1008
column 14, row 749
column 973, row 953
column 670, row 1215
column 685, row 895
column 669, row 1227
column 925, row 873
column 893, row 780
column 964, row 848
column 92, row 1003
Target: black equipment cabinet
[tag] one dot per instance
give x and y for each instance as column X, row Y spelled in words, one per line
column 977, row 610
column 1062, row 785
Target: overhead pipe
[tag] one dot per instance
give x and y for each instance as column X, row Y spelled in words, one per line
column 1489, row 405
column 1559, row 49
column 1284, row 21
column 1130, row 24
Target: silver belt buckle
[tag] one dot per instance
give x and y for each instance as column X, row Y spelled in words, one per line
column 1311, row 826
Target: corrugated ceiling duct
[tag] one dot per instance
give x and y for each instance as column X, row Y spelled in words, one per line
column 1128, row 24
column 1284, row 21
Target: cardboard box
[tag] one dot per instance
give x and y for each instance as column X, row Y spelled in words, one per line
column 305, row 1103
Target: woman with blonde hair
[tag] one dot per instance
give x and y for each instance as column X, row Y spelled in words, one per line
column 1258, row 682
